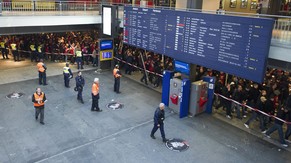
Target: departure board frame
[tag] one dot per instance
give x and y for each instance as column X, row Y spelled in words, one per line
column 233, row 44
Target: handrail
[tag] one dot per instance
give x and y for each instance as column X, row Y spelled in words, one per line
column 281, row 31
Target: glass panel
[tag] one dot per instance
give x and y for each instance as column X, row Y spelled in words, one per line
column 232, row 3
column 244, row 4
column 254, row 5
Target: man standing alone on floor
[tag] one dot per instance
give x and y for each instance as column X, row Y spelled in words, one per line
column 80, row 82
column 117, row 76
column 41, row 72
column 38, row 99
column 159, row 118
column 95, row 96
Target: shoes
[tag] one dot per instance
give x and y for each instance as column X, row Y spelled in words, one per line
column 247, row 126
column 244, row 116
column 287, row 140
column 36, row 118
column 284, row 145
column 42, row 123
column 268, row 136
column 165, row 140
column 92, row 110
column 229, row 117
column 118, row 92
column 44, row 84
column 153, row 137
column 82, row 101
column 263, row 132
column 99, row 110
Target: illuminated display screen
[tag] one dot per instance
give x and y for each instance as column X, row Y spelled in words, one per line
column 232, row 44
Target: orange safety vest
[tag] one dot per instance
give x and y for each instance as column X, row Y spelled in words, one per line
column 38, row 97
column 115, row 74
column 40, row 67
column 95, row 89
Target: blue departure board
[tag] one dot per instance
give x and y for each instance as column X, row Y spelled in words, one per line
column 232, row 44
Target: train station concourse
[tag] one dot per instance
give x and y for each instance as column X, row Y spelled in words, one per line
column 147, row 81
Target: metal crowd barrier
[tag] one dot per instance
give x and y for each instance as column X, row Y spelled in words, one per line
column 49, row 8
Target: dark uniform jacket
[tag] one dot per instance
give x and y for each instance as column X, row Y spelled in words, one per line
column 80, row 82
column 159, row 116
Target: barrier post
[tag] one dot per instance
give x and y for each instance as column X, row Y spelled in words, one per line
column 210, row 92
column 0, row 8
column 167, row 76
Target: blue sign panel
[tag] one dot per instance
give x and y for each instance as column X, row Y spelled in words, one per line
column 182, row 67
column 232, row 44
column 106, row 44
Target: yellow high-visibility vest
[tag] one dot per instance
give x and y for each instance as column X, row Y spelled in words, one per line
column 2, row 44
column 13, row 46
column 78, row 53
column 32, row 47
column 66, row 70
column 39, row 48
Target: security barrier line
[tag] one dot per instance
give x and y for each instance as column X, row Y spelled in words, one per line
column 138, row 67
column 254, row 109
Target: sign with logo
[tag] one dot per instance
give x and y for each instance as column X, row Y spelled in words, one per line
column 114, row 105
column 15, row 95
column 177, row 145
column 182, row 67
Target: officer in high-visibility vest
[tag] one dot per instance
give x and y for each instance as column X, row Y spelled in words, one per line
column 117, row 76
column 38, row 99
column 15, row 51
column 95, row 96
column 32, row 52
column 78, row 53
column 40, row 51
column 67, row 75
column 3, row 49
column 41, row 67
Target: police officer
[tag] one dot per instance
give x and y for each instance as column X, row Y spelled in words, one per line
column 32, row 52
column 40, row 51
column 80, row 82
column 41, row 67
column 79, row 56
column 117, row 76
column 67, row 75
column 15, row 53
column 95, row 96
column 38, row 99
column 3, row 49
column 159, row 117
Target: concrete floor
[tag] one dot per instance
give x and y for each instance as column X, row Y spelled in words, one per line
column 73, row 133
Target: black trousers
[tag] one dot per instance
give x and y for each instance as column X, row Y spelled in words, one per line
column 39, row 110
column 116, row 84
column 4, row 53
column 15, row 55
column 67, row 80
column 41, row 78
column 155, row 128
column 95, row 102
column 80, row 90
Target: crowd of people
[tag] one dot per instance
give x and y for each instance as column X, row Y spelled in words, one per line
column 51, row 46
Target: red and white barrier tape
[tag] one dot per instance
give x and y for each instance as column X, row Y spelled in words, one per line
column 138, row 67
column 67, row 54
column 254, row 109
